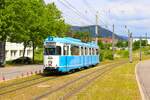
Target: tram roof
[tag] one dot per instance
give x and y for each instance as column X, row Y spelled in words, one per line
column 69, row 40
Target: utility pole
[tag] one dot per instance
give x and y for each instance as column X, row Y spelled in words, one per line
column 130, row 47
column 96, row 28
column 140, row 48
column 128, row 40
column 146, row 39
column 113, row 41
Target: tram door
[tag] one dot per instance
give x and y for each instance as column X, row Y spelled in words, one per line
column 66, row 53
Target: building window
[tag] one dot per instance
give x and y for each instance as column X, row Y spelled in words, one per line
column 28, row 52
column 21, row 53
column 13, row 53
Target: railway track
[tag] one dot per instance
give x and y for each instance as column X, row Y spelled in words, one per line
column 20, row 82
column 99, row 72
column 23, row 84
column 86, row 83
column 5, row 89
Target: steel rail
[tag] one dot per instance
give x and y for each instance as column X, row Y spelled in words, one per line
column 49, row 92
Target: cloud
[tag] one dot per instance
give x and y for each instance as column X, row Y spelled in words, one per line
column 133, row 13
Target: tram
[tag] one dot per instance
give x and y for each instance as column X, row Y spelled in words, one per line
column 67, row 54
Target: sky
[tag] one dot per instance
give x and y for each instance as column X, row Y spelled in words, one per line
column 135, row 14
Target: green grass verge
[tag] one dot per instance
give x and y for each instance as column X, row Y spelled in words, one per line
column 38, row 56
column 119, row 84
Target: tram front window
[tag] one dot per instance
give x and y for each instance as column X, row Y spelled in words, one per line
column 53, row 51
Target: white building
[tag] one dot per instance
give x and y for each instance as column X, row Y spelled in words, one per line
column 15, row 50
column 136, row 39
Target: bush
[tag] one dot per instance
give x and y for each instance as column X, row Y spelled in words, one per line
column 106, row 54
column 109, row 56
column 101, row 56
column 123, row 53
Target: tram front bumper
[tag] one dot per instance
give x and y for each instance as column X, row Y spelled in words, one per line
column 50, row 69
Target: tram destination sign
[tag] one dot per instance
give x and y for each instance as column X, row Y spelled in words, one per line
column 50, row 43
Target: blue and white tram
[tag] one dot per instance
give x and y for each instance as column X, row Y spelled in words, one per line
column 66, row 54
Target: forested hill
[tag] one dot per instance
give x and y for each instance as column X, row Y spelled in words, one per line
column 102, row 32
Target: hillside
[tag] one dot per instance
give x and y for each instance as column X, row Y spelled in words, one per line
column 102, row 32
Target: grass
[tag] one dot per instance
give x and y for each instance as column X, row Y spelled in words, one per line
column 119, row 84
column 30, row 91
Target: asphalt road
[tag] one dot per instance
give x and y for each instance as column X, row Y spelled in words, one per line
column 19, row 71
column 143, row 73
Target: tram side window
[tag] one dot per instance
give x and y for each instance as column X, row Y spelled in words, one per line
column 53, row 51
column 90, row 51
column 86, row 51
column 82, row 52
column 75, row 50
column 93, row 51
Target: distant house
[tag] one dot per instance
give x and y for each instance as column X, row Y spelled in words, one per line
column 15, row 50
column 108, row 40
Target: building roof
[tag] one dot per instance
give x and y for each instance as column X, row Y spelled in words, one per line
column 108, row 40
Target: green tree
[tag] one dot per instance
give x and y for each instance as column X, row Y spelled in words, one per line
column 30, row 22
column 52, row 20
column 101, row 45
column 7, row 23
column 122, row 44
column 136, row 44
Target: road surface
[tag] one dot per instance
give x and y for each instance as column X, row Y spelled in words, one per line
column 143, row 77
column 19, row 71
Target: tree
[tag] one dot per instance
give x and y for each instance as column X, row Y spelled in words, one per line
column 49, row 17
column 101, row 45
column 30, row 21
column 136, row 44
column 7, row 24
column 122, row 44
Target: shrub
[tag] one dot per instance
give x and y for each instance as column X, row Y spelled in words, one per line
column 109, row 56
column 106, row 54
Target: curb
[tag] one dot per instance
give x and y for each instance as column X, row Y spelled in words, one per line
column 140, row 84
column 21, row 75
